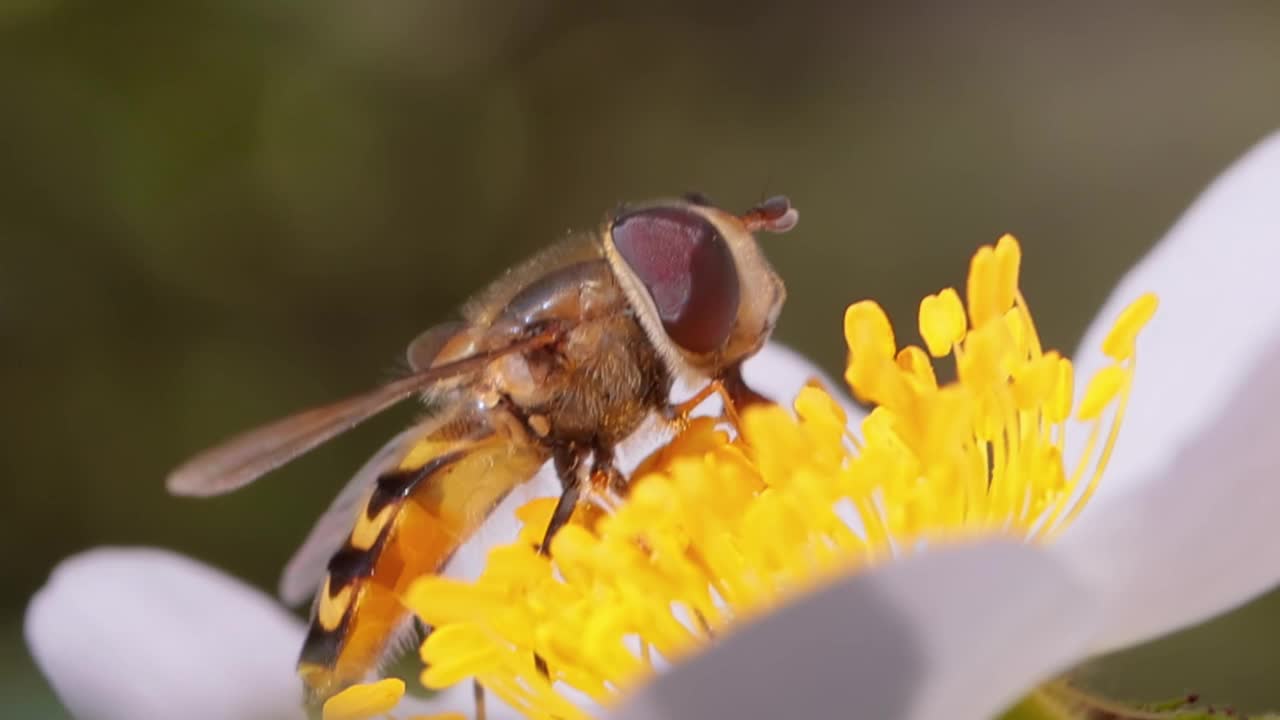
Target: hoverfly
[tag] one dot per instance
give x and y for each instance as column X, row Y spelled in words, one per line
column 560, row 359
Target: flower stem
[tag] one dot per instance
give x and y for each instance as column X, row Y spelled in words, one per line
column 1060, row 700
column 1039, row 705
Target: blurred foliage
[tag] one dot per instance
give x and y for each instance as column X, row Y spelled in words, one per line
column 1060, row 701
column 212, row 213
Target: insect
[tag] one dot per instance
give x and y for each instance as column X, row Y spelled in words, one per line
column 558, row 360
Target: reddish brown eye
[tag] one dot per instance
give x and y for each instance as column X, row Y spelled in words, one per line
column 687, row 268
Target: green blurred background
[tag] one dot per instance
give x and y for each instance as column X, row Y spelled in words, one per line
column 212, row 213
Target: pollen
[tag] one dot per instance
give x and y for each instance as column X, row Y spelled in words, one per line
column 726, row 522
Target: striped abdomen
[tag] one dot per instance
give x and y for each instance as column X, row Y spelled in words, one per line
column 414, row 519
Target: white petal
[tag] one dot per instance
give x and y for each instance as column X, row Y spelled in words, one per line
column 957, row 633
column 1200, row 537
column 1183, row 525
column 142, row 633
column 1215, row 273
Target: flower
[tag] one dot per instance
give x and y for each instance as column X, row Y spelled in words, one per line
column 1182, row 529
column 714, row 531
column 1179, row 531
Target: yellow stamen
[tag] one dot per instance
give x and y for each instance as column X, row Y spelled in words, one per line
column 993, row 280
column 942, row 322
column 867, row 330
column 718, row 527
column 916, row 364
column 1102, row 391
column 1118, row 344
column 362, row 702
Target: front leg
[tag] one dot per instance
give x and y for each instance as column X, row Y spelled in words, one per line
column 734, row 393
column 739, row 393
column 605, row 479
column 569, row 461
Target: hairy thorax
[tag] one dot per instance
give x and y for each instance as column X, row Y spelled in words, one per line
column 597, row 383
column 594, row 387
column 614, row 380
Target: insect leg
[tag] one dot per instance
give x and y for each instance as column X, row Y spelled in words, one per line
column 568, row 459
column 477, row 694
column 606, row 479
column 733, row 392
column 739, row 393
column 681, row 411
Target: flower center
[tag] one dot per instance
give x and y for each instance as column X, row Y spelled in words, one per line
column 987, row 452
column 718, row 527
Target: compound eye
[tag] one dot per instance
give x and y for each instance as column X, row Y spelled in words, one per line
column 688, row 269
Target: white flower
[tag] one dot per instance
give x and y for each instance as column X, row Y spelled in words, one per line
column 1180, row 530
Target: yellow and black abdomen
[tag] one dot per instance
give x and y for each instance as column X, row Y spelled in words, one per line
column 413, row 520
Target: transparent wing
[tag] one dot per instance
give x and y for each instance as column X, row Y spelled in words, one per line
column 248, row 456
column 306, row 569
